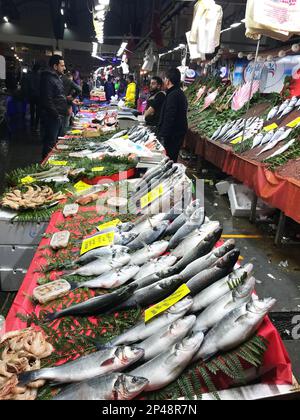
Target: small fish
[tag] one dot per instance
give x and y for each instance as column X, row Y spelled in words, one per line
column 114, row 387
column 282, row 149
column 273, row 113
column 281, row 135
column 257, row 140
column 287, row 111
column 267, row 138
column 283, row 106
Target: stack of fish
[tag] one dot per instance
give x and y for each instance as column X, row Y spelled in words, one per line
column 286, row 108
column 236, row 129
column 271, row 139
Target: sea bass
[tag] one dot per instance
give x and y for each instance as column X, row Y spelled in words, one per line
column 182, row 219
column 194, row 222
column 235, row 328
column 148, row 252
column 105, row 252
column 155, row 266
column 115, row 387
column 101, row 266
column 148, row 237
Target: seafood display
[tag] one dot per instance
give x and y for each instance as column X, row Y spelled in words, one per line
column 35, row 197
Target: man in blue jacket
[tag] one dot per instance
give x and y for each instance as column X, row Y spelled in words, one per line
column 54, row 103
column 173, row 123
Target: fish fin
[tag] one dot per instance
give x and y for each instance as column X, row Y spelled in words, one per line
column 69, row 273
column 101, row 347
column 108, row 362
column 241, row 318
column 74, row 286
column 50, row 316
column 26, row 378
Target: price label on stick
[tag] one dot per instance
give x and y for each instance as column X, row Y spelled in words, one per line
column 163, row 306
column 99, row 169
column 58, row 162
column 152, row 196
column 97, row 241
column 107, row 225
column 82, row 186
column 238, row 140
column 27, row 180
column 294, row 123
column 271, row 127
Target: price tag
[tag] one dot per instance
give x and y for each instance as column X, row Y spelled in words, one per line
column 82, row 186
column 294, row 123
column 152, row 196
column 98, row 241
column 58, row 162
column 238, row 140
column 271, row 127
column 99, row 169
column 76, row 132
column 107, row 225
column 163, row 306
column 125, row 137
column 27, row 180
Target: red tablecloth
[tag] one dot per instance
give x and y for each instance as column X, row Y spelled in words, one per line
column 281, row 193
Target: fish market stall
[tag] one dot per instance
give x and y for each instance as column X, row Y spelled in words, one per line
column 137, row 280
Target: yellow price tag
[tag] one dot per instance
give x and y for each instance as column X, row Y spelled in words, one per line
column 152, row 196
column 271, row 127
column 99, row 169
column 82, row 186
column 27, row 180
column 98, row 241
column 125, row 137
column 58, row 162
column 75, row 132
column 238, row 140
column 294, row 123
column 107, row 225
column 163, row 306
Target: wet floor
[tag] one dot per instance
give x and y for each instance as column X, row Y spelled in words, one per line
column 276, row 268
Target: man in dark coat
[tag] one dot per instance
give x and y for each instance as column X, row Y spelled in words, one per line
column 173, row 124
column 155, row 103
column 54, row 103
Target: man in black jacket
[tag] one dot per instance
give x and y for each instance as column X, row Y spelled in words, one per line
column 54, row 103
column 173, row 124
column 155, row 103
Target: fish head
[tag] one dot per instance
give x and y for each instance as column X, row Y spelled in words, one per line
column 182, row 306
column 190, row 343
column 182, row 324
column 227, row 247
column 127, row 387
column 245, row 289
column 230, row 259
column 129, row 354
column 260, row 306
column 198, row 215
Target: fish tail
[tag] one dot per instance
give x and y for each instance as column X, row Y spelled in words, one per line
column 74, row 285
column 28, row 377
column 51, row 316
column 69, row 273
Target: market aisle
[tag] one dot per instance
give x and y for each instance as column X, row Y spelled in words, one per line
column 274, row 280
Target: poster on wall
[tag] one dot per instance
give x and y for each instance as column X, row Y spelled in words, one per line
column 273, row 73
column 2, row 68
column 238, row 74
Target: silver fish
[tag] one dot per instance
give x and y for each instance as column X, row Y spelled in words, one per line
column 298, row 103
column 142, row 331
column 220, row 288
column 267, row 137
column 149, row 236
column 273, row 113
column 257, row 139
column 105, row 252
column 155, row 266
column 182, row 219
column 282, row 134
column 113, row 387
column 148, row 223
column 282, row 149
column 113, row 359
column 147, row 253
column 219, row 309
column 195, row 222
column 168, row 366
column 287, row 111
column 235, row 328
column 110, row 280
column 283, row 106
column 195, row 239
column 167, row 337
column 101, row 266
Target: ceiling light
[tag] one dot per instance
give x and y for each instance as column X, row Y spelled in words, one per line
column 5, row 18
column 62, row 12
column 122, row 49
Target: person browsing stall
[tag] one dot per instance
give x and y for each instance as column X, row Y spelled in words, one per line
column 155, row 102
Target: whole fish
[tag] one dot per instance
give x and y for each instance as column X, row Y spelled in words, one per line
column 235, row 328
column 168, row 366
column 287, row 111
column 267, row 137
column 200, row 250
column 219, row 309
column 224, row 130
column 114, row 359
column 195, row 239
column 148, row 252
column 273, row 113
column 153, row 173
column 282, row 134
column 110, row 280
column 115, row 387
column 149, row 236
column 283, row 106
column 148, row 223
column 214, row 292
column 105, row 252
column 101, row 266
column 155, row 266
column 119, row 134
column 167, row 337
column 124, row 238
column 257, row 140
column 216, row 133
column 206, row 278
column 298, row 103
column 195, row 222
column 142, row 331
column 152, row 294
column 181, row 220
column 282, row 149
column 95, row 306
column 175, row 212
column 208, row 260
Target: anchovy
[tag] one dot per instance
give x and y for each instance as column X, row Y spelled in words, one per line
column 168, row 366
column 206, row 278
column 195, row 222
column 143, row 331
column 282, row 150
column 113, row 359
column 235, row 328
column 107, row 388
column 214, row 292
column 219, row 309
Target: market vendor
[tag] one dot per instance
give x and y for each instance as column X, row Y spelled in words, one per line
column 131, row 93
column 173, row 123
column 54, row 103
column 155, row 103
